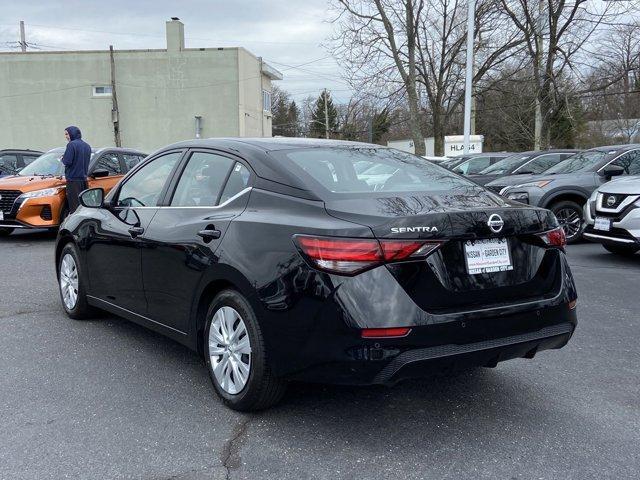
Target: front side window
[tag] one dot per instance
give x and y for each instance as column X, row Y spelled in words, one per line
column 579, row 162
column 630, row 161
column 27, row 159
column 110, row 163
column 144, row 187
column 8, row 164
column 201, row 180
column 340, row 170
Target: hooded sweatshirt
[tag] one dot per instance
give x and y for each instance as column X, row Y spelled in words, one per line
column 77, row 156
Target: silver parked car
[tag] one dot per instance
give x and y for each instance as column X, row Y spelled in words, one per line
column 612, row 216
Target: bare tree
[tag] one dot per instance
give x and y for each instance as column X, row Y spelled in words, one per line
column 417, row 48
column 442, row 33
column 377, row 41
column 556, row 33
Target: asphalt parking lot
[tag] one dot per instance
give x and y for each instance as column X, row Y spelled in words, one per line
column 108, row 399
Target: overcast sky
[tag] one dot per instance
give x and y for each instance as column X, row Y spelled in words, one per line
column 285, row 33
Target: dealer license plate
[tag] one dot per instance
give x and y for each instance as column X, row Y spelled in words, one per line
column 603, row 224
column 487, row 256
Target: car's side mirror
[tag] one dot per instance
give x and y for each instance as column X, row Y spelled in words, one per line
column 612, row 171
column 100, row 173
column 92, row 198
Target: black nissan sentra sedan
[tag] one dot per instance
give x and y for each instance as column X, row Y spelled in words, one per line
column 276, row 260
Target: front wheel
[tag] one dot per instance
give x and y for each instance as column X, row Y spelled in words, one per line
column 236, row 355
column 624, row 250
column 4, row 232
column 72, row 284
column 570, row 217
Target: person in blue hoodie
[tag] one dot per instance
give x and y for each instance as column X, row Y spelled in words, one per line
column 76, row 165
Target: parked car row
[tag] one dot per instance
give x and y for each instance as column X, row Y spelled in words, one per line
column 562, row 181
column 33, row 196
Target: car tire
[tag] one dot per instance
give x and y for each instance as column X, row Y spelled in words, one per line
column 71, row 284
column 5, row 232
column 236, row 355
column 623, row 250
column 566, row 212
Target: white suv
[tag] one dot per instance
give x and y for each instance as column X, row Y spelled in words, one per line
column 612, row 216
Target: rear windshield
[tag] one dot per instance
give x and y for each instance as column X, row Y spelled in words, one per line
column 361, row 170
column 579, row 162
column 47, row 164
column 506, row 165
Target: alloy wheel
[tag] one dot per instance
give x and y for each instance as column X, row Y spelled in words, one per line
column 69, row 281
column 570, row 221
column 229, row 350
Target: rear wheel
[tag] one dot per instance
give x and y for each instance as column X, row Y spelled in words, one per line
column 236, row 356
column 72, row 284
column 5, row 231
column 570, row 218
column 624, row 250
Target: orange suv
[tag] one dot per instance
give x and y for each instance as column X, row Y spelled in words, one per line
column 35, row 196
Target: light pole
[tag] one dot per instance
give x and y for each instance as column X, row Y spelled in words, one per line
column 471, row 13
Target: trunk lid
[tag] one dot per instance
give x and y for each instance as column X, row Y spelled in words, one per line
column 442, row 283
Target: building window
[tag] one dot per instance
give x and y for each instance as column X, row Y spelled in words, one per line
column 102, row 91
column 266, row 101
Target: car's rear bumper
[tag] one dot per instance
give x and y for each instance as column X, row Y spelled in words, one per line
column 435, row 349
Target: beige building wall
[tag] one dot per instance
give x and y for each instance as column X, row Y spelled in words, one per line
column 159, row 92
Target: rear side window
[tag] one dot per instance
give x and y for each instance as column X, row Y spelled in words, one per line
column 201, row 180
column 144, row 187
column 8, row 163
column 27, row 159
column 540, row 164
column 360, row 170
column 238, row 181
column 109, row 162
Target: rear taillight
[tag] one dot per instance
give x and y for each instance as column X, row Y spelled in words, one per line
column 348, row 256
column 554, row 238
column 394, row 332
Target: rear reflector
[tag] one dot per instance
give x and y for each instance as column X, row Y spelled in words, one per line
column 385, row 332
column 348, row 256
column 554, row 238
column 573, row 304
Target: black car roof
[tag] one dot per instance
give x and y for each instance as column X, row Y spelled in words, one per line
column 268, row 167
column 616, row 148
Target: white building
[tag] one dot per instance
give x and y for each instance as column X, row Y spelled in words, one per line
column 163, row 95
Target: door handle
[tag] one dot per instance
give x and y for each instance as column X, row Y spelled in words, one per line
column 209, row 234
column 136, row 231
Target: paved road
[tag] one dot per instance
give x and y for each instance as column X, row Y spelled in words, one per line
column 108, row 399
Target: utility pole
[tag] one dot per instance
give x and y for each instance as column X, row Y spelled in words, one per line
column 23, row 41
column 326, row 115
column 370, row 129
column 114, row 101
column 471, row 14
